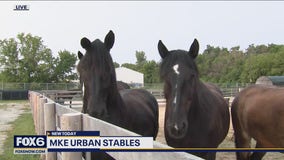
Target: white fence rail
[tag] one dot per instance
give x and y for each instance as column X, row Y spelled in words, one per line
column 50, row 116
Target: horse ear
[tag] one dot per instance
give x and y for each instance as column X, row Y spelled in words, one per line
column 162, row 49
column 80, row 55
column 86, row 43
column 194, row 48
column 109, row 40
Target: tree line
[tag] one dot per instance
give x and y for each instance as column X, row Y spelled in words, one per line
column 223, row 65
column 149, row 68
column 26, row 59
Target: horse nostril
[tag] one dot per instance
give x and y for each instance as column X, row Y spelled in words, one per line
column 180, row 127
column 184, row 126
column 178, row 130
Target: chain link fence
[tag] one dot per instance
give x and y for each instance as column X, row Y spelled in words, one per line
column 228, row 89
column 39, row 86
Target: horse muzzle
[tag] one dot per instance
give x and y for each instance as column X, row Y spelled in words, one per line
column 177, row 130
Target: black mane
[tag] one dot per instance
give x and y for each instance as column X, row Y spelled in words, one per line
column 98, row 59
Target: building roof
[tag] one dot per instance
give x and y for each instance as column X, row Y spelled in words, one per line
column 129, row 76
column 277, row 80
column 127, row 70
column 271, row 80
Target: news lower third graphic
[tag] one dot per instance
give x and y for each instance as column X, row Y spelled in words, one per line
column 77, row 141
column 29, row 144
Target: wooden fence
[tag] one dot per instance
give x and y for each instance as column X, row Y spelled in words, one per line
column 51, row 116
column 158, row 94
column 62, row 96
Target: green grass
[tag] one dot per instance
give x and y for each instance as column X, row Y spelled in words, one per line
column 24, row 125
column 4, row 104
column 13, row 101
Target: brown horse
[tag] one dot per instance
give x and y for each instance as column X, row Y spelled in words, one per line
column 197, row 115
column 258, row 113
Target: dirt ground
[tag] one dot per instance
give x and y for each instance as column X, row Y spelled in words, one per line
column 8, row 113
column 227, row 143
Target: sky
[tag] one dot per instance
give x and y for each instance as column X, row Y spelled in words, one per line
column 139, row 25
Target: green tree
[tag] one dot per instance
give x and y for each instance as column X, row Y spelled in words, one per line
column 141, row 59
column 265, row 64
column 151, row 72
column 258, row 49
column 35, row 59
column 116, row 65
column 27, row 59
column 129, row 66
column 211, row 63
column 9, row 60
column 150, row 69
column 64, row 67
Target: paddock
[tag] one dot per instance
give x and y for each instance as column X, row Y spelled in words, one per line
column 49, row 115
column 64, row 108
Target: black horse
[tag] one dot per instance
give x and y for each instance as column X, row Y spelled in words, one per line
column 133, row 109
column 197, row 115
column 120, row 86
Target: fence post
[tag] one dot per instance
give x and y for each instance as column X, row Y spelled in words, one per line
column 41, row 116
column 50, row 125
column 71, row 122
column 32, row 101
column 37, row 113
column 33, row 105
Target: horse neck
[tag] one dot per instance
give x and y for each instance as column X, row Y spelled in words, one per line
column 115, row 103
column 115, row 109
column 114, row 99
column 201, row 98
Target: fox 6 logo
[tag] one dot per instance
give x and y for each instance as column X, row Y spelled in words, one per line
column 30, row 141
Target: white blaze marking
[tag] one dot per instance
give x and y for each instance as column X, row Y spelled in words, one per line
column 175, row 68
column 175, row 99
column 176, row 126
column 83, row 89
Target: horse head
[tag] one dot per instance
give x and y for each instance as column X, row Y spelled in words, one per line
column 97, row 74
column 179, row 72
